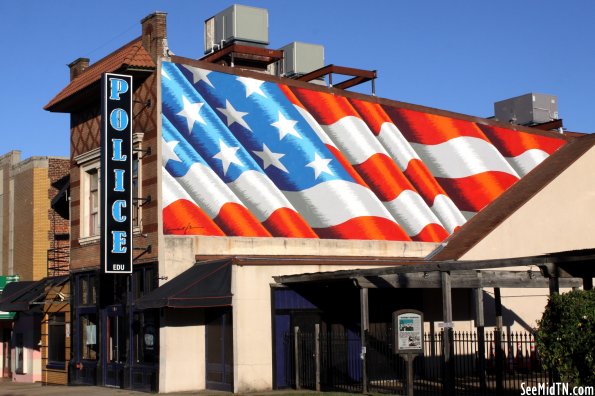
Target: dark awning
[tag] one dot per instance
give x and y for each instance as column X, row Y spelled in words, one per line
column 60, row 202
column 18, row 296
column 203, row 285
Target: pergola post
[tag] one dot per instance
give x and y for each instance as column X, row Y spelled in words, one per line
column 588, row 282
column 447, row 340
column 498, row 343
column 364, row 327
column 479, row 324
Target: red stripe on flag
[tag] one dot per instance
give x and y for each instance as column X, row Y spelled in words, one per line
column 285, row 222
column 235, row 220
column 182, row 217
column 290, row 95
column 365, row 227
column 431, row 233
column 372, row 114
column 427, row 128
column 512, row 143
column 325, row 108
column 423, row 180
column 384, row 177
column 473, row 193
column 346, row 165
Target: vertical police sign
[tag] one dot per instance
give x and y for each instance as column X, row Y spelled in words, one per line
column 116, row 173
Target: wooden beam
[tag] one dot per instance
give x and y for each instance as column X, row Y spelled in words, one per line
column 351, row 82
column 330, row 69
column 463, row 279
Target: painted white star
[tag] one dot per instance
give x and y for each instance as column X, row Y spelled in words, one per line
column 286, row 127
column 192, row 113
column 252, row 86
column 168, row 153
column 269, row 158
column 233, row 115
column 227, row 156
column 164, row 74
column 320, row 165
column 199, row 75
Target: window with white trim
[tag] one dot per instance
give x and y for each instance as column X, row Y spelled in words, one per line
column 90, row 198
column 93, row 188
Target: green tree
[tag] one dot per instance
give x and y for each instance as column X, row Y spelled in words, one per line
column 566, row 336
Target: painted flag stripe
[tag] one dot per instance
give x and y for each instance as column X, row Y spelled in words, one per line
column 287, row 223
column 424, row 128
column 367, row 227
column 462, row 157
column 399, row 148
column 412, row 221
column 262, row 198
column 513, row 143
column 334, row 202
column 408, row 161
column 473, row 193
column 372, row 114
column 335, row 107
column 448, row 213
column 181, row 215
column 235, row 220
column 527, row 161
column 355, row 139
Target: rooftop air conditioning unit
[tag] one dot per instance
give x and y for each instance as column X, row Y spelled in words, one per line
column 528, row 109
column 301, row 58
column 237, row 24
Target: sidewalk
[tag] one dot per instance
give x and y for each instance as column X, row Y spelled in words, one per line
column 8, row 388
column 22, row 389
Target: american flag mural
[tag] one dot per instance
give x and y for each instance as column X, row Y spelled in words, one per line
column 247, row 157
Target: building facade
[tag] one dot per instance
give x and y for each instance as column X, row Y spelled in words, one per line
column 240, row 176
column 34, row 241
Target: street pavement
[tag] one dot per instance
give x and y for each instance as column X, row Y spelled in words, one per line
column 9, row 388
column 22, row 389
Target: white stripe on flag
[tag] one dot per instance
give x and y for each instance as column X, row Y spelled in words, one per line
column 525, row 162
column 259, row 194
column 334, row 202
column 207, row 190
column 447, row 212
column 461, row 157
column 411, row 212
column 396, row 145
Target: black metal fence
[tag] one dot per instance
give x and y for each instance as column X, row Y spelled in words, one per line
column 492, row 364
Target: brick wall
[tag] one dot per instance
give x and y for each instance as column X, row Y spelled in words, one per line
column 26, row 196
column 59, row 227
column 55, row 376
column 24, row 225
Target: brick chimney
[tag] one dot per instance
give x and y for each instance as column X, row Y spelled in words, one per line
column 154, row 36
column 77, row 67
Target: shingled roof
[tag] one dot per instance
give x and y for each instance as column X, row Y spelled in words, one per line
column 131, row 55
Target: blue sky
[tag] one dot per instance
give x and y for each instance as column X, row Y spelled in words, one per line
column 455, row 55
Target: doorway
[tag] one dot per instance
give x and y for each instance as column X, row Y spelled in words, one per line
column 114, row 351
column 219, row 345
column 5, row 341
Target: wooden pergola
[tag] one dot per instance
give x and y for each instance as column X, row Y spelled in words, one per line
column 571, row 269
